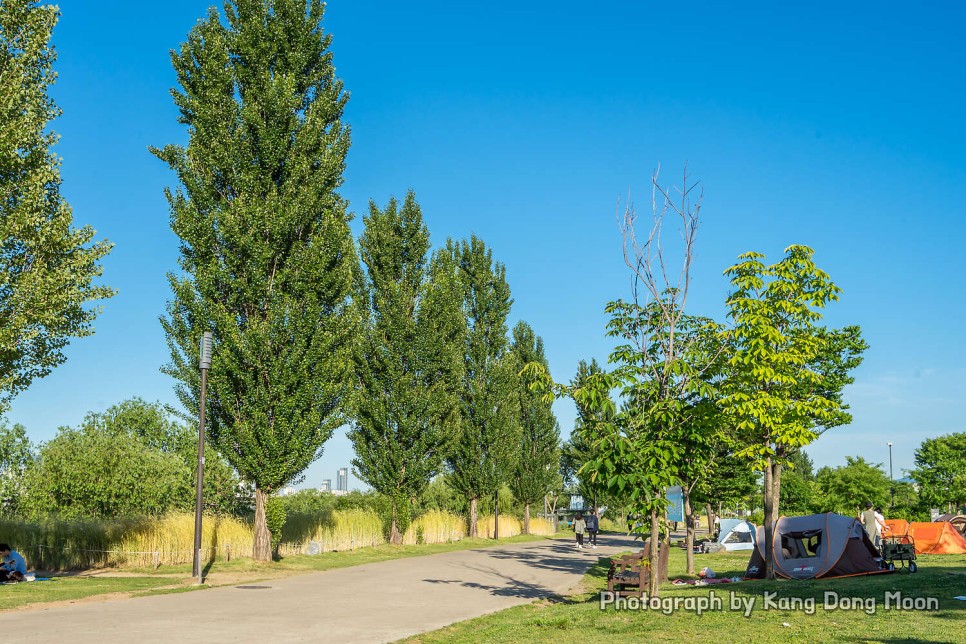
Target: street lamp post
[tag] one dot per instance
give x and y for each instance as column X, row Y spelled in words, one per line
column 892, row 483
column 204, row 362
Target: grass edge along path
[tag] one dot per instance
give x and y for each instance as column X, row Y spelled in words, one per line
column 579, row 617
column 139, row 582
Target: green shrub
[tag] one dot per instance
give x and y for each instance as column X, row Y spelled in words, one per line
column 275, row 519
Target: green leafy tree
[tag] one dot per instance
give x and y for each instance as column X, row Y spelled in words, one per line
column 267, row 256
column 847, row 489
column 798, row 494
column 152, row 425
column 16, row 454
column 941, row 471
column 92, row 474
column 786, row 372
column 483, row 456
column 578, row 449
column 48, row 267
column 410, row 360
column 727, row 483
column 538, row 460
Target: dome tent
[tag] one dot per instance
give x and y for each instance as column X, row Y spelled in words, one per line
column 736, row 534
column 817, row 546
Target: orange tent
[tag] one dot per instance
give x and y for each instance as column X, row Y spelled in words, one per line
column 896, row 528
column 933, row 538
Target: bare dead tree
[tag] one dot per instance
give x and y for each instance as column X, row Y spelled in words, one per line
column 660, row 285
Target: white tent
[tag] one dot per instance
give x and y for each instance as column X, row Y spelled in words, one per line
column 737, row 534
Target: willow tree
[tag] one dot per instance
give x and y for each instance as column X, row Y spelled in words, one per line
column 48, row 267
column 538, row 458
column 410, row 359
column 267, row 257
column 482, row 457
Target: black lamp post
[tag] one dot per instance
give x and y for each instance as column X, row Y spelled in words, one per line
column 204, row 362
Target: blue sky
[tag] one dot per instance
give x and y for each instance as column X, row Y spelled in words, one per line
column 836, row 125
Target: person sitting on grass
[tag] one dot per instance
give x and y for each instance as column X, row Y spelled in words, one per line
column 13, row 567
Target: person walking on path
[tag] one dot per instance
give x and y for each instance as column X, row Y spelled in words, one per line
column 593, row 527
column 580, row 526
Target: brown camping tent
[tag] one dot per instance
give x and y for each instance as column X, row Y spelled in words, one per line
column 817, row 546
column 958, row 521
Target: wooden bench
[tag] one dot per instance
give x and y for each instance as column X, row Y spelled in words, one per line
column 629, row 575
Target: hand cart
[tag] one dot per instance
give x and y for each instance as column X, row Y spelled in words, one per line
column 899, row 549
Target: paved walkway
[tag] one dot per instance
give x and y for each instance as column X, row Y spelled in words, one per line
column 377, row 602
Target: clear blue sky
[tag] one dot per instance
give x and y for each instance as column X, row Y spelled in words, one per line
column 838, row 125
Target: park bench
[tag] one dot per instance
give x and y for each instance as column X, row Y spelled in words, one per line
column 630, row 574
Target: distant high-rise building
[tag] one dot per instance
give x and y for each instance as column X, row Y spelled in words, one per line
column 326, row 485
column 342, row 481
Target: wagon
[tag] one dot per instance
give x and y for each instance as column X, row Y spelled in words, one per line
column 899, row 549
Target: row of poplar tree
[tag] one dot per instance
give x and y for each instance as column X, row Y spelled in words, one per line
column 312, row 331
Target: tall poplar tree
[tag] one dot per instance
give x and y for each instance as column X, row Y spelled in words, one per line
column 47, row 267
column 410, row 360
column 268, row 261
column 482, row 458
column 538, row 459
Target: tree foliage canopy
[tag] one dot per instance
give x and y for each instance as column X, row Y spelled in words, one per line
column 538, row 460
column 48, row 267
column 131, row 459
column 483, row 456
column 410, row 359
column 267, row 256
column 941, row 470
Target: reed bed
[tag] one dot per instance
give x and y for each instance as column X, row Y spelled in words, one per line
column 137, row 542
column 509, row 526
column 436, row 526
column 540, row 526
column 331, row 531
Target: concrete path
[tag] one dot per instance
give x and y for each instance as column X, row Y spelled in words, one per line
column 377, row 602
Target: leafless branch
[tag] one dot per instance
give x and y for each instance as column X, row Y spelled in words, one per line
column 651, row 282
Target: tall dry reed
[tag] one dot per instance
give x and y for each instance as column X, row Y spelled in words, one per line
column 509, row 526
column 69, row 545
column 435, row 526
column 338, row 530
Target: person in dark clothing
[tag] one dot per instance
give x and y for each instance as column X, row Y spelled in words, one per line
column 593, row 527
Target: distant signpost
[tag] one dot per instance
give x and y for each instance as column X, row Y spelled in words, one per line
column 675, row 507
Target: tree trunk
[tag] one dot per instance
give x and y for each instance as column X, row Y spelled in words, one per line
column 496, row 515
column 654, row 584
column 769, row 501
column 473, row 517
column 526, row 518
column 262, row 550
column 689, row 529
column 395, row 536
column 711, row 515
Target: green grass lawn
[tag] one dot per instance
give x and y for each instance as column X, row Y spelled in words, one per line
column 74, row 588
column 169, row 579
column 579, row 617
